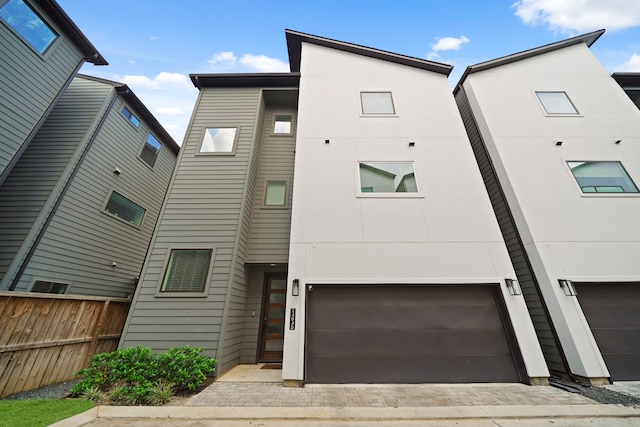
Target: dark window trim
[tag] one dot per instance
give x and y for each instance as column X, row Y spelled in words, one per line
column 112, row 215
column 603, row 194
column 156, row 154
column 124, row 107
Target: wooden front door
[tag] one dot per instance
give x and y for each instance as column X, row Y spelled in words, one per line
column 272, row 337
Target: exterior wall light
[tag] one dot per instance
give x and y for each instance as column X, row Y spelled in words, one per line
column 513, row 286
column 295, row 287
column 568, row 287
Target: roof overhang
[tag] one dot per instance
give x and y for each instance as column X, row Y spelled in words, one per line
column 295, row 40
column 588, row 39
column 71, row 30
column 135, row 103
column 627, row 80
column 264, row 80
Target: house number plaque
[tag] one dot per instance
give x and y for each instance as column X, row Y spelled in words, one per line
column 292, row 320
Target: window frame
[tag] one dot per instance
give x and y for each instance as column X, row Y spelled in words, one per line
column 601, row 194
column 144, row 147
column 46, row 22
column 66, row 285
column 275, row 120
column 372, row 194
column 124, row 107
column 362, row 104
column 119, row 218
column 285, row 205
column 159, row 293
column 219, row 153
column 548, row 114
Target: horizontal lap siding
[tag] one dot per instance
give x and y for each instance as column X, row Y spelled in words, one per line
column 530, row 291
column 28, row 84
column 37, row 179
column 204, row 207
column 82, row 241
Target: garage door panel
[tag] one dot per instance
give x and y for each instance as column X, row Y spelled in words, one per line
column 409, row 370
column 625, row 366
column 607, row 316
column 407, row 316
column 407, row 334
column 416, row 342
column 618, row 340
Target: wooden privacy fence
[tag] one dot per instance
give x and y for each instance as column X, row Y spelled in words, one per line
column 46, row 338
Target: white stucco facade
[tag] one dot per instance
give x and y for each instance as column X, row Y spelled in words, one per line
column 568, row 234
column 446, row 233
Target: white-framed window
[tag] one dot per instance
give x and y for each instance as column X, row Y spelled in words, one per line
column 377, row 103
column 283, row 124
column 219, row 140
column 131, row 117
column 48, row 287
column 187, row 271
column 25, row 21
column 125, row 209
column 275, row 193
column 602, row 177
column 556, row 103
column 150, row 150
column 387, row 177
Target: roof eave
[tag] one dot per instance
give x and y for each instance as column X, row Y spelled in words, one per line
column 270, row 80
column 294, row 46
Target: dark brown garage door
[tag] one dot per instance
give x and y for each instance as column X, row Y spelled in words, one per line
column 613, row 313
column 408, row 334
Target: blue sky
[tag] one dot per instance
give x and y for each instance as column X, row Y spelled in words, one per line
column 154, row 45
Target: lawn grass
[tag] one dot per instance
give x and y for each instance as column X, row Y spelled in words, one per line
column 36, row 413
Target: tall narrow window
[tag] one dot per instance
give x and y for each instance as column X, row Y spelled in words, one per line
column 149, row 152
column 123, row 208
column 377, row 103
column 378, row 177
column 26, row 22
column 275, row 193
column 187, row 270
column 282, row 124
column 219, row 140
column 602, row 177
column 556, row 103
column 129, row 115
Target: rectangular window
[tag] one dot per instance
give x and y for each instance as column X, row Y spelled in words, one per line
column 377, row 103
column 602, row 177
column 129, row 115
column 275, row 194
column 125, row 209
column 556, row 103
column 149, row 152
column 282, row 124
column 26, row 22
column 387, row 178
column 219, row 140
column 187, row 270
column 44, row 287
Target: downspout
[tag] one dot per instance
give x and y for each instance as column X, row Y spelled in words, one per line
column 34, row 245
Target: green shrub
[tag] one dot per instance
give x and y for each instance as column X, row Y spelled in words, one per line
column 134, row 376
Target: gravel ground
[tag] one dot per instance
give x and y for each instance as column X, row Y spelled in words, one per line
column 53, row 391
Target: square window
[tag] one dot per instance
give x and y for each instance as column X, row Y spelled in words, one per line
column 187, row 270
column 26, row 22
column 45, row 287
column 377, row 103
column 275, row 193
column 282, row 124
column 602, row 177
column 387, row 178
column 129, row 115
column 125, row 209
column 149, row 152
column 219, row 140
column 556, row 103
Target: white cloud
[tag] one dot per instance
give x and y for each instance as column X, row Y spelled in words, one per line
column 132, row 61
column 570, row 16
column 169, row 111
column 223, row 58
column 632, row 65
column 264, row 64
column 446, row 43
column 153, row 38
column 160, row 81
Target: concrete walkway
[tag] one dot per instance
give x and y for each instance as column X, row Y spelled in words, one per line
column 249, row 396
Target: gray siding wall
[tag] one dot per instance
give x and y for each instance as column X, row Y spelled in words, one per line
column 29, row 82
column 271, row 227
column 35, row 182
column 524, row 272
column 82, row 240
column 208, row 205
